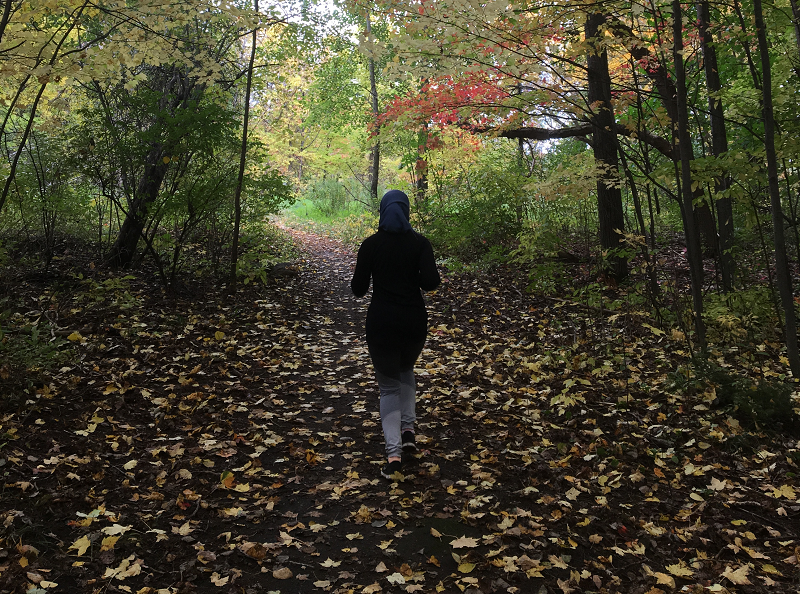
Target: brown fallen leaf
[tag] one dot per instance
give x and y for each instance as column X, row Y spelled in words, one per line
column 282, row 573
column 464, row 542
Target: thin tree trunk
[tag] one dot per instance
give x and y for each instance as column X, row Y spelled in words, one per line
column 237, row 197
column 4, row 20
column 781, row 261
column 155, row 170
column 719, row 144
column 684, row 141
column 124, row 248
column 375, row 156
column 604, row 144
column 421, row 168
column 28, row 127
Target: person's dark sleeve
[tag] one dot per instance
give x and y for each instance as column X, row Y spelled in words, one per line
column 428, row 274
column 360, row 283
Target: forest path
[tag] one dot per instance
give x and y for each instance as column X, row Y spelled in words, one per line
column 218, row 442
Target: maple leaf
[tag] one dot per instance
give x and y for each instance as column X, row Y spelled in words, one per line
column 737, row 576
column 464, row 542
column 680, row 570
column 115, row 529
column 82, row 545
column 330, row 563
column 396, row 578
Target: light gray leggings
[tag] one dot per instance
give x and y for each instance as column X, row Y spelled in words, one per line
column 398, row 403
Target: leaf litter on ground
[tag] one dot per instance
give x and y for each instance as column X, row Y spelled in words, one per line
column 232, row 443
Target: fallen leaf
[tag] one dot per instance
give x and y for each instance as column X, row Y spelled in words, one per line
column 282, row 573
column 217, row 580
column 396, row 578
column 82, row 545
column 738, row 576
column 330, row 563
column 464, row 542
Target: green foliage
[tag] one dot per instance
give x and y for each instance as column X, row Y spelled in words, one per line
column 28, row 355
column 262, row 246
column 758, row 404
column 113, row 292
column 474, row 212
column 742, row 315
column 328, row 196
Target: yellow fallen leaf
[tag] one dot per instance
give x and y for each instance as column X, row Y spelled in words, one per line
column 219, row 335
column 108, row 543
column 82, row 544
column 665, row 579
column 466, row 567
column 435, row 533
column 75, row 337
column 680, row 570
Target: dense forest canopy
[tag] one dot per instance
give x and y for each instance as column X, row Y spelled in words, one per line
column 546, row 133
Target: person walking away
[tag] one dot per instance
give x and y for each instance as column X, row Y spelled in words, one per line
column 400, row 262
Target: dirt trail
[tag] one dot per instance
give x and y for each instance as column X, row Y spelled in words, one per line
column 231, row 443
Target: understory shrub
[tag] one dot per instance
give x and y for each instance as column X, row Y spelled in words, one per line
column 758, row 404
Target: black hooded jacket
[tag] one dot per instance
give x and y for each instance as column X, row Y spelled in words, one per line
column 400, row 263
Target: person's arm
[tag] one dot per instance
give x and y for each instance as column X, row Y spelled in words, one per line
column 428, row 274
column 361, row 275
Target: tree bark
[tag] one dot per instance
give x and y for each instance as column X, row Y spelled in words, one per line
column 659, row 75
column 155, row 170
column 5, row 18
column 604, row 141
column 375, row 154
column 781, row 260
column 237, row 196
column 719, row 144
column 693, row 250
column 124, row 248
column 421, row 168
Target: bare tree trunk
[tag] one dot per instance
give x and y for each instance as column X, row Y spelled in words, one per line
column 124, row 248
column 4, row 20
column 719, row 144
column 684, row 141
column 29, row 126
column 604, row 141
column 375, row 155
column 237, row 197
column 149, row 186
column 421, row 167
column 781, row 260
